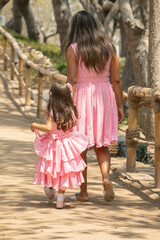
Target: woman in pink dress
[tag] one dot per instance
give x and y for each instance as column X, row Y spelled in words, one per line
column 91, row 60
column 59, row 165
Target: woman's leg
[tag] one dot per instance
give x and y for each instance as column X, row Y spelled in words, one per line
column 83, row 195
column 103, row 158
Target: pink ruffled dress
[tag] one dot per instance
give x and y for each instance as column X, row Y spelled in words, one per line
column 96, row 105
column 59, row 163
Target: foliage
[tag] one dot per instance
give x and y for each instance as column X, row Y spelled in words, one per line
column 121, row 64
column 122, row 149
column 142, row 154
column 124, row 122
column 51, row 51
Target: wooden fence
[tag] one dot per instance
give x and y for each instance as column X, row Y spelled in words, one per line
column 136, row 96
column 24, row 66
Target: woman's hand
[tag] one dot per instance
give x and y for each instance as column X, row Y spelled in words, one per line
column 120, row 115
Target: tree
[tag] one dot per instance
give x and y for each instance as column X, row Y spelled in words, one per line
column 154, row 44
column 135, row 15
column 3, row 3
column 62, row 15
column 48, row 31
column 22, row 8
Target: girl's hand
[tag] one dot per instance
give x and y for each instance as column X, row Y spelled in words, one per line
column 120, row 115
column 32, row 127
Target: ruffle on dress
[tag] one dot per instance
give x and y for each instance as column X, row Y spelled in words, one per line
column 59, row 164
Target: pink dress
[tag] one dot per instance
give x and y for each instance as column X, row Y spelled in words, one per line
column 59, row 163
column 96, row 105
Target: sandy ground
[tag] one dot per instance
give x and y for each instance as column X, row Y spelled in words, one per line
column 25, row 213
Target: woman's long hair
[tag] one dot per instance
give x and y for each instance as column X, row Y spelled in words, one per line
column 62, row 105
column 93, row 48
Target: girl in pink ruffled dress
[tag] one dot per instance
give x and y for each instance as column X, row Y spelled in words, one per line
column 59, row 165
column 91, row 59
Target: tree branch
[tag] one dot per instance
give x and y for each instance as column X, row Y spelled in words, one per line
column 128, row 18
column 109, row 20
column 98, row 15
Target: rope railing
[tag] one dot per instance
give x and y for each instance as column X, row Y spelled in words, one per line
column 138, row 96
column 25, row 65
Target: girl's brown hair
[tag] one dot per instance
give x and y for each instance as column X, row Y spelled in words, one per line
column 61, row 103
column 93, row 48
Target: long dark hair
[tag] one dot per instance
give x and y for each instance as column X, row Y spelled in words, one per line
column 93, row 48
column 61, row 103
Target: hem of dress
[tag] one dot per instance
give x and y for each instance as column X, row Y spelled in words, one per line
column 114, row 142
column 57, row 189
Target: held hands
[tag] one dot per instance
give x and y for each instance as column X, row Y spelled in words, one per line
column 120, row 115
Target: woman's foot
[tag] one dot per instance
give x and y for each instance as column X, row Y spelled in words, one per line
column 108, row 191
column 51, row 193
column 79, row 197
column 60, row 201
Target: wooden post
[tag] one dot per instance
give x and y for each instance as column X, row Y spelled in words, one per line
column 27, row 82
column 0, row 49
column 156, row 107
column 157, row 149
column 5, row 62
column 40, row 94
column 20, row 76
column 12, row 62
column 131, row 150
column 132, row 125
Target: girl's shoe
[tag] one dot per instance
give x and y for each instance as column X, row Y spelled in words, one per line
column 108, row 191
column 60, row 200
column 51, row 193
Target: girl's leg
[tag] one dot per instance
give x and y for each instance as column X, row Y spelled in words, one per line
column 83, row 195
column 60, row 199
column 50, row 192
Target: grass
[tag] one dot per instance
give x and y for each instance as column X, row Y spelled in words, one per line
column 51, row 51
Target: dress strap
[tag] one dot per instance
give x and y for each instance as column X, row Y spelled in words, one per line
column 74, row 45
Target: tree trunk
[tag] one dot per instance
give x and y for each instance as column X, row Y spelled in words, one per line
column 3, row 3
column 154, row 44
column 154, row 53
column 124, row 42
column 32, row 28
column 17, row 17
column 22, row 8
column 136, row 21
column 62, row 15
column 127, row 79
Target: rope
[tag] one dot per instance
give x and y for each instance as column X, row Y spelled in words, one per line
column 133, row 101
column 155, row 103
column 133, row 138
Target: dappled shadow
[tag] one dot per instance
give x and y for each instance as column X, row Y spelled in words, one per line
column 26, row 214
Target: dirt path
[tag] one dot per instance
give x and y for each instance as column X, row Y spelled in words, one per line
column 25, row 213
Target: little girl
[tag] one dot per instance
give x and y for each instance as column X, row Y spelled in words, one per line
column 59, row 165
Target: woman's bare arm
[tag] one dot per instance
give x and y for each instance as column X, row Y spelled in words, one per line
column 72, row 66
column 117, row 85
